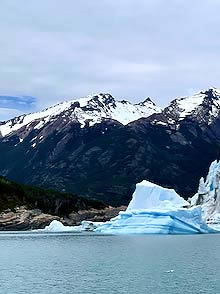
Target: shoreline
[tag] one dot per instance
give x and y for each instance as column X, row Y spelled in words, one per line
column 24, row 219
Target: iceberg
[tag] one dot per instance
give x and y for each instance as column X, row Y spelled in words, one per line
column 161, row 221
column 157, row 210
column 208, row 195
column 57, row 227
column 148, row 195
column 90, row 226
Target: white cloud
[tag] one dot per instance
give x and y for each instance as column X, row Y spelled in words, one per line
column 57, row 50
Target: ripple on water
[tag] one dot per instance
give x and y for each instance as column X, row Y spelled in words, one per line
column 89, row 263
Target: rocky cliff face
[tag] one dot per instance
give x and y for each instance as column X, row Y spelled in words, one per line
column 99, row 147
column 22, row 219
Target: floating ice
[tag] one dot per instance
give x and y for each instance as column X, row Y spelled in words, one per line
column 208, row 195
column 90, row 226
column 161, row 221
column 56, row 227
column 156, row 210
column 148, row 195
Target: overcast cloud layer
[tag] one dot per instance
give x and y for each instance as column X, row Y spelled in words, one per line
column 57, row 50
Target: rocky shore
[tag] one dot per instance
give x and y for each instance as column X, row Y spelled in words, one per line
column 21, row 218
column 95, row 215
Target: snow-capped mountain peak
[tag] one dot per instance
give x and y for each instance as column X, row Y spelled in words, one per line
column 86, row 111
column 147, row 101
column 203, row 106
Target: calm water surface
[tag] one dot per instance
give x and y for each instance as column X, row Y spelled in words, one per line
column 87, row 263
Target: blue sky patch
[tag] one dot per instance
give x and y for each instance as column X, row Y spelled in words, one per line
column 24, row 103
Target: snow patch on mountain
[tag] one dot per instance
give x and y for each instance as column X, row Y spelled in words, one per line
column 86, row 111
column 24, row 120
column 188, row 104
column 203, row 106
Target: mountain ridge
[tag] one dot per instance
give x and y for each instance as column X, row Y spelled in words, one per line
column 105, row 159
column 89, row 110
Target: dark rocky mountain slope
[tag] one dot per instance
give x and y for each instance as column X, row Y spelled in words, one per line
column 83, row 147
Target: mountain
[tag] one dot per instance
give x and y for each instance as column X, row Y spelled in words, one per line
column 85, row 111
column 13, row 195
column 100, row 147
column 202, row 107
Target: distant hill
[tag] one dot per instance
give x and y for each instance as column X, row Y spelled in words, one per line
column 49, row 201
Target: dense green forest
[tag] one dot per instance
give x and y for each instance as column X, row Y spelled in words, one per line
column 49, row 201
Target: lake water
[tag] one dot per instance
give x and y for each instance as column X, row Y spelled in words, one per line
column 88, row 263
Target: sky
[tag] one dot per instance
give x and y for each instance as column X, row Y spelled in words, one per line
column 53, row 50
